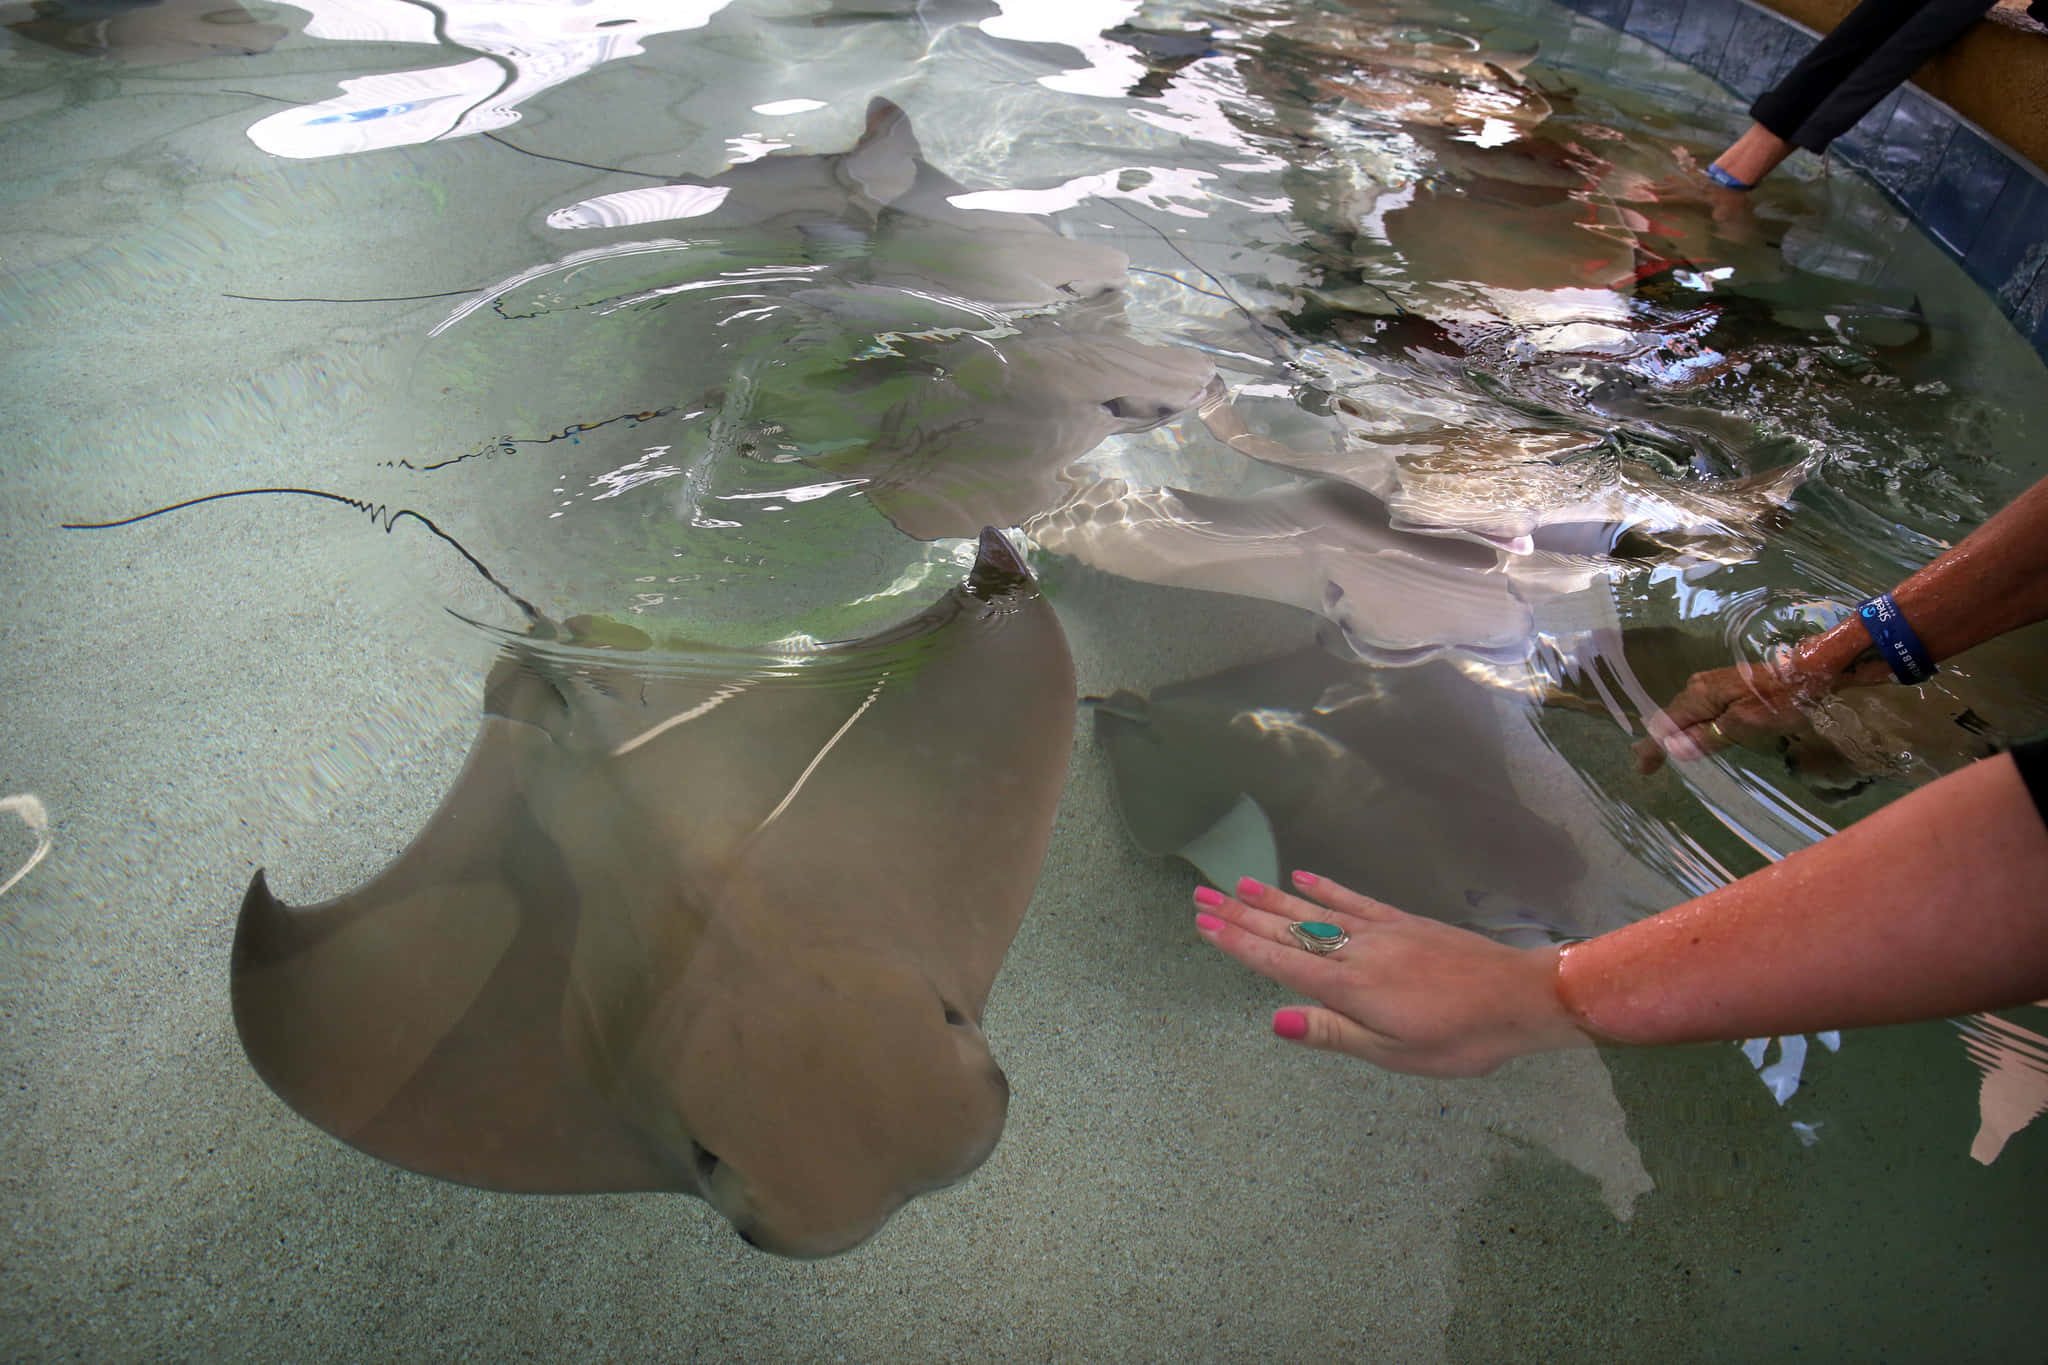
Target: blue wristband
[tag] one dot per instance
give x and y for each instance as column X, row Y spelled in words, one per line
column 1721, row 177
column 1895, row 640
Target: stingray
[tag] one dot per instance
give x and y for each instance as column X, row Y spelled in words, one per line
column 1392, row 781
column 727, row 932
column 881, row 216
column 1477, row 542
column 1040, row 368
column 1327, row 546
column 996, row 441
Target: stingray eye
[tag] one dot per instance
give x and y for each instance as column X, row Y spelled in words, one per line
column 955, row 1017
column 704, row 1159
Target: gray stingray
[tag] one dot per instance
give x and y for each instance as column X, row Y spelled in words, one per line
column 884, row 218
column 996, row 440
column 1487, row 550
column 1328, row 546
column 728, row 934
column 1392, row 781
column 1040, row 371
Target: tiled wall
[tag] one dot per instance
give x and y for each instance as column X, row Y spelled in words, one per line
column 1981, row 201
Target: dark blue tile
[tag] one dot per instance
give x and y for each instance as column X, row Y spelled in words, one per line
column 2009, row 250
column 1798, row 42
column 1970, row 179
column 1613, row 13
column 1654, row 21
column 1862, row 143
column 1588, row 47
column 1702, row 32
column 1906, row 162
column 2028, row 307
column 1756, row 42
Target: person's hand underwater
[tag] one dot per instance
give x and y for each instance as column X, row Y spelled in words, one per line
column 1733, row 705
column 1406, row 993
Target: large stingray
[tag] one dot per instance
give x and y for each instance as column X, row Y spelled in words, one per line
column 1393, row 781
column 729, row 935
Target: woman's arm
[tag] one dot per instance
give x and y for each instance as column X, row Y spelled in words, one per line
column 1935, row 905
column 1994, row 580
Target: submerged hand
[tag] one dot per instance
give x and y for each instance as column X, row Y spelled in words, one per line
column 1405, row 993
column 1726, row 706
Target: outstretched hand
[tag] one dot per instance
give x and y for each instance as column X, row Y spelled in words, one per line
column 1733, row 705
column 1406, row 993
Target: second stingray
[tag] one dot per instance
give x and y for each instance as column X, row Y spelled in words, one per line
column 725, row 931
column 1390, row 780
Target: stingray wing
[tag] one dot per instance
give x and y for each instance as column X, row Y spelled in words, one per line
column 419, row 1018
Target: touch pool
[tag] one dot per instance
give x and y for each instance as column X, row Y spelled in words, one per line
column 1354, row 352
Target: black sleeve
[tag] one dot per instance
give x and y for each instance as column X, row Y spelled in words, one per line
column 2031, row 759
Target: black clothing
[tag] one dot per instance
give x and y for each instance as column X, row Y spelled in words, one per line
column 1879, row 44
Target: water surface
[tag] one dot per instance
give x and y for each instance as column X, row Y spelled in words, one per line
column 471, row 261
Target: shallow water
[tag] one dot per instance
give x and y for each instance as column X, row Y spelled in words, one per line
column 1553, row 435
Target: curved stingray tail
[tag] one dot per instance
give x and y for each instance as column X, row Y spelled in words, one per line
column 384, row 516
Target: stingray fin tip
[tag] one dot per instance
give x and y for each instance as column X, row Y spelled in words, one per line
column 256, row 927
column 997, row 565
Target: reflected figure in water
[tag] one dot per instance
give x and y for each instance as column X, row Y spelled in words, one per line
column 720, row 930
column 2014, row 1091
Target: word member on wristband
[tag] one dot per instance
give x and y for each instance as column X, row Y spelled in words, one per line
column 1900, row 647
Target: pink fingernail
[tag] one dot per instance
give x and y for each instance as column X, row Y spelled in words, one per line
column 1208, row 924
column 1208, row 895
column 1247, row 887
column 1306, row 879
column 1290, row 1024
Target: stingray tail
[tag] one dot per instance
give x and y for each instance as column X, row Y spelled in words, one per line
column 387, row 517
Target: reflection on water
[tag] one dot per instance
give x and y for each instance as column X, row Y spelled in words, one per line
column 1386, row 333
column 2014, row 1061
column 523, row 47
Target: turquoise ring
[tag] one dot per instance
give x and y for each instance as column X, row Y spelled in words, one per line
column 1319, row 938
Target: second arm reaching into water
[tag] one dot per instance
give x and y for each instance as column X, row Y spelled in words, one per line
column 1993, row 581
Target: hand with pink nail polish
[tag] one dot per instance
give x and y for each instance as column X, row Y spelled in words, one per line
column 1403, row 992
column 1930, row 907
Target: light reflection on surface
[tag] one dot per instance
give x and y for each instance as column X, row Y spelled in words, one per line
column 526, row 46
